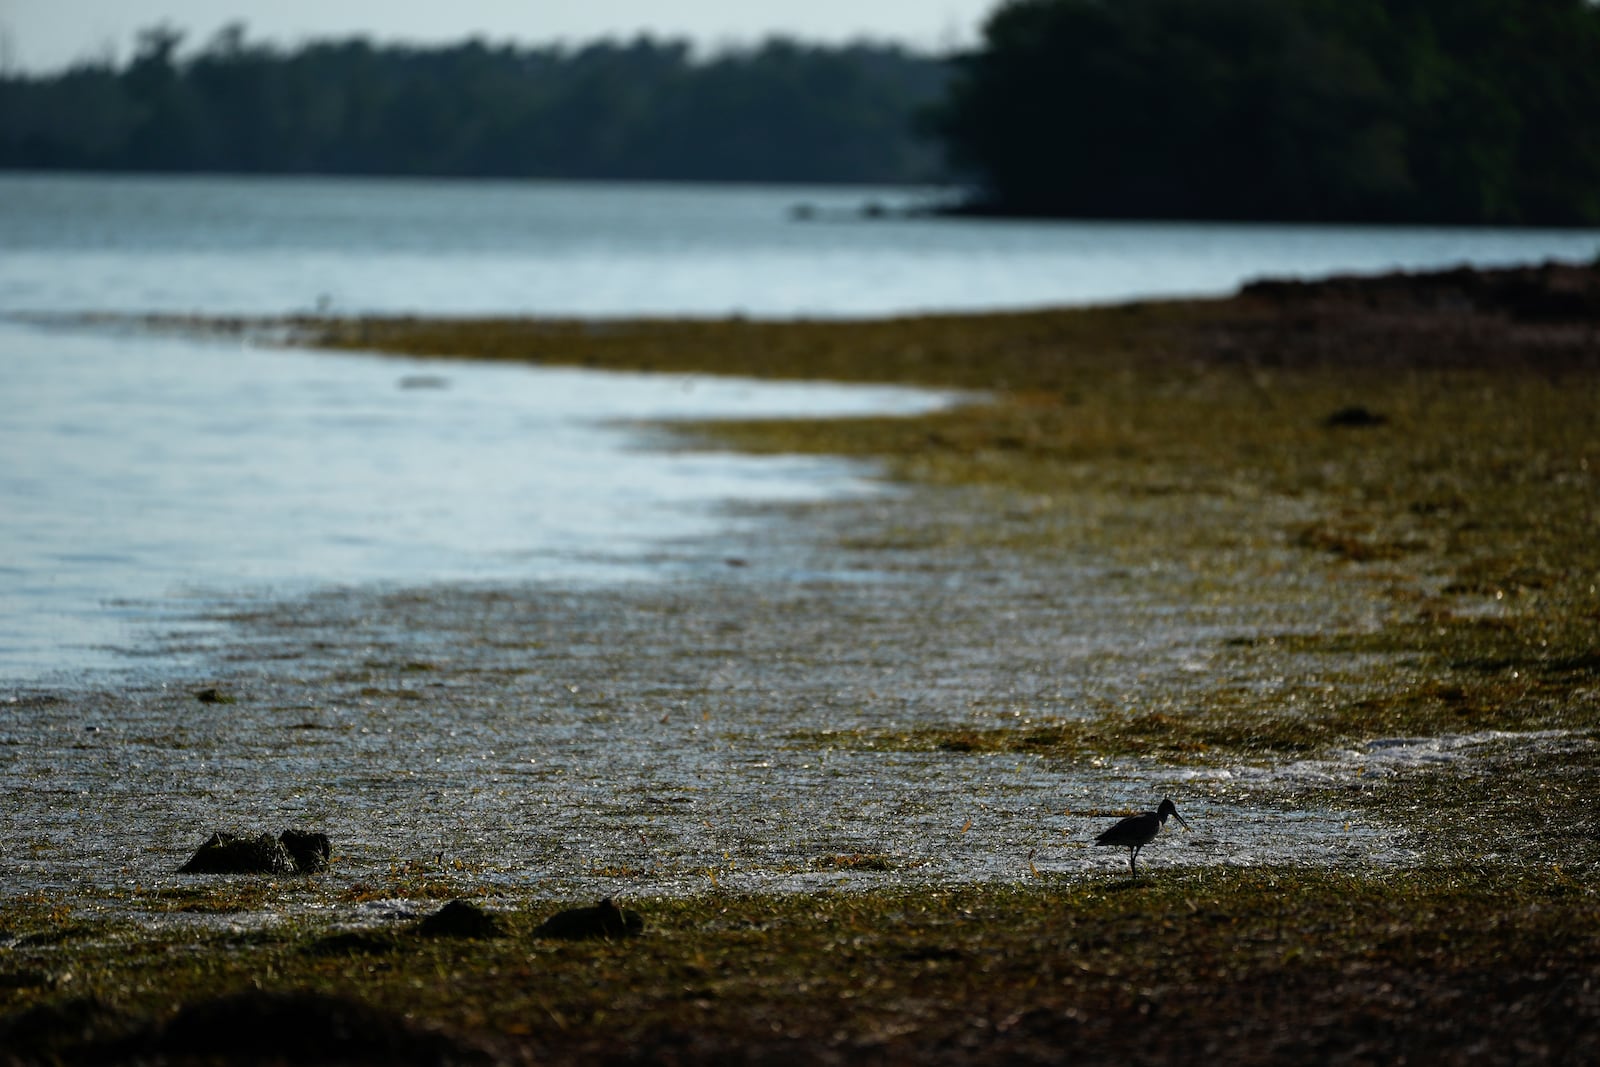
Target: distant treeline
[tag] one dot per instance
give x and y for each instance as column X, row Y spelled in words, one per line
column 641, row 109
column 1422, row 111
column 1471, row 111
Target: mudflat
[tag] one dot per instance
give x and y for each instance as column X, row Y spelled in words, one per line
column 1317, row 560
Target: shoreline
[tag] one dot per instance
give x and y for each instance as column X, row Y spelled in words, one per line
column 1364, row 512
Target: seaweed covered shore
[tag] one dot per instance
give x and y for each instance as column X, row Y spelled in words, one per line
column 1318, row 558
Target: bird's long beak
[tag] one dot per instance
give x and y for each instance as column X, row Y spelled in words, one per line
column 1185, row 825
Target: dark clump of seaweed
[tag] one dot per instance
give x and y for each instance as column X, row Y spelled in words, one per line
column 460, row 918
column 605, row 920
column 291, row 852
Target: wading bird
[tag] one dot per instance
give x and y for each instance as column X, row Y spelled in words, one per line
column 1137, row 831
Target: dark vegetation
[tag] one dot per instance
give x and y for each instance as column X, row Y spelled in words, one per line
column 1450, row 964
column 1322, row 110
column 641, row 109
column 1418, row 111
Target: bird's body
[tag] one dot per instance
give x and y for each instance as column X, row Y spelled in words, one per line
column 1137, row 831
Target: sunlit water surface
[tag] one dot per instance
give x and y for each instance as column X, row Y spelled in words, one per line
column 152, row 476
column 77, row 243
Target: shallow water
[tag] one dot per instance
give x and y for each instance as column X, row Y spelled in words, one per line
column 146, row 475
column 267, row 246
column 151, row 476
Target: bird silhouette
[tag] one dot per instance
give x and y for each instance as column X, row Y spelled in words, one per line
column 1137, row 831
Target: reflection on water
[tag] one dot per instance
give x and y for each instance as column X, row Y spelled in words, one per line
column 145, row 468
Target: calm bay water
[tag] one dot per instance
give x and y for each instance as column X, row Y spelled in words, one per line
column 279, row 245
column 142, row 474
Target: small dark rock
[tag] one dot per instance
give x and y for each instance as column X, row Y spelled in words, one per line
column 605, row 919
column 1354, row 416
column 311, row 851
column 231, row 854
column 213, row 695
column 460, row 919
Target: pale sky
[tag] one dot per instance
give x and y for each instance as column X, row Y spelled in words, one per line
column 44, row 35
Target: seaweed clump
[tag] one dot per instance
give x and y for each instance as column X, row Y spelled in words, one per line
column 292, row 852
column 604, row 920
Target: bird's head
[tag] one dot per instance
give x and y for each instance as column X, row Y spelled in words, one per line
column 1169, row 808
